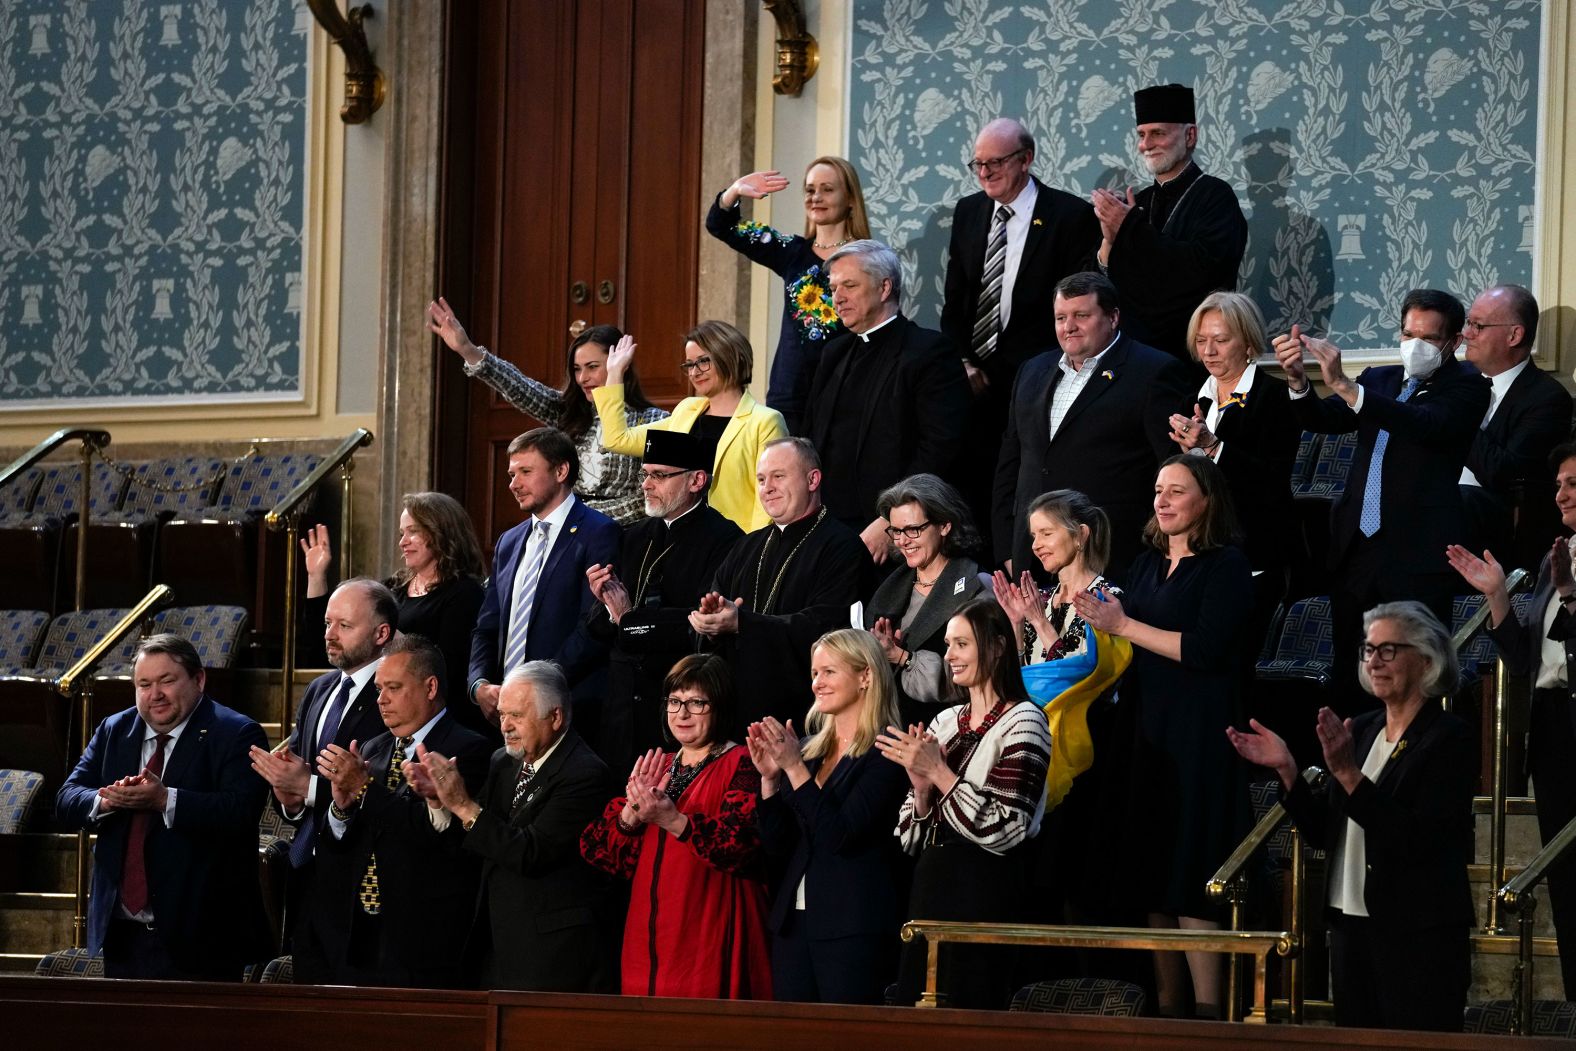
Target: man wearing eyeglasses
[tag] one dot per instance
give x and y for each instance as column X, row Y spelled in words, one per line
column 1177, row 240
column 669, row 560
column 1415, row 423
column 1506, row 483
column 1011, row 243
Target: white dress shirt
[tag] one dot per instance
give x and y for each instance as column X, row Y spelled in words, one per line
column 1500, row 386
column 1017, row 233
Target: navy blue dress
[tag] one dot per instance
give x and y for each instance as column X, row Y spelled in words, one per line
column 1189, row 803
column 808, row 318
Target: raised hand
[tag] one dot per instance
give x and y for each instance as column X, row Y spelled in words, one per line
column 317, row 552
column 1485, row 575
column 1263, row 747
column 1288, row 352
column 1102, row 611
column 890, row 640
column 757, row 185
column 622, row 356
column 443, row 324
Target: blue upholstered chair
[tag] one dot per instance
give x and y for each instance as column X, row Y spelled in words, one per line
column 70, row 963
column 18, row 793
column 1082, row 996
column 1549, row 1018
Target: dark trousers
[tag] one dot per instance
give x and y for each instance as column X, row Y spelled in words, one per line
column 1366, row 576
column 1551, row 745
column 1384, row 978
column 852, row 970
column 138, row 950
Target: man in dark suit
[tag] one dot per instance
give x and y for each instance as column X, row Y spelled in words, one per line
column 1415, row 423
column 537, row 598
column 671, row 558
column 543, row 920
column 1093, row 417
column 889, row 399
column 168, row 790
column 338, row 707
column 1011, row 243
column 1506, row 483
column 393, row 893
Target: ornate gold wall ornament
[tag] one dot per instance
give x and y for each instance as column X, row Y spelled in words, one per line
column 364, row 88
column 798, row 56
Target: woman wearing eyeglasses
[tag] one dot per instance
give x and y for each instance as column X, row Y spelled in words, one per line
column 932, row 529
column 834, row 214
column 684, row 834
column 732, row 426
column 1397, row 825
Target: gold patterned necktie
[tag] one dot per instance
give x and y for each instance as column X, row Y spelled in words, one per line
column 371, row 903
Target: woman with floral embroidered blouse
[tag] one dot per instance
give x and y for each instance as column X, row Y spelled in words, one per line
column 684, row 834
column 834, row 214
column 609, row 482
column 977, row 793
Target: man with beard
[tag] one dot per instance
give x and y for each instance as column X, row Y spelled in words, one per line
column 537, row 598
column 782, row 586
column 543, row 921
column 1175, row 241
column 671, row 557
column 338, row 707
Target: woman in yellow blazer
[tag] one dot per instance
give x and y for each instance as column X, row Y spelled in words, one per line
column 722, row 414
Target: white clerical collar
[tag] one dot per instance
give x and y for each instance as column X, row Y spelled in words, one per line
column 867, row 333
column 681, row 514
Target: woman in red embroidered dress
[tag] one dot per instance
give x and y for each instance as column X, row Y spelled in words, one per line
column 685, row 835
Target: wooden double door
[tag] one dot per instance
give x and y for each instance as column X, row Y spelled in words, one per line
column 571, row 196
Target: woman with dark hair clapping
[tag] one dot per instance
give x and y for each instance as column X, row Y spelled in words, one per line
column 976, row 794
column 684, row 834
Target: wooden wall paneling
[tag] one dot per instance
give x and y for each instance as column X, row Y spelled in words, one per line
column 661, row 259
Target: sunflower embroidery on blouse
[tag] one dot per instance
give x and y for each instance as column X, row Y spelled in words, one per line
column 760, row 233
column 811, row 303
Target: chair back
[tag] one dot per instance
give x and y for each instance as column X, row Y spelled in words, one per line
column 21, row 631
column 60, row 490
column 72, row 634
column 216, row 631
column 70, row 963
column 1081, row 996
column 1306, row 649
column 16, row 496
column 173, row 486
column 18, row 793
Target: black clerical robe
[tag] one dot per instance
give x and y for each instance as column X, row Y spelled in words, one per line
column 669, row 569
column 797, row 584
column 1180, row 242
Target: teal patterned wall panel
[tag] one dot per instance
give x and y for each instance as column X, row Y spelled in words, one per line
column 1376, row 145
column 152, row 166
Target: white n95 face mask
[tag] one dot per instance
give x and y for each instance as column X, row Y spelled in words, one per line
column 1420, row 358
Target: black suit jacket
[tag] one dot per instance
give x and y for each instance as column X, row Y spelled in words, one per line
column 1430, row 434
column 427, row 887
column 202, row 872
column 1108, row 447
column 360, row 723
column 543, row 918
column 911, row 410
column 1417, row 817
column 1509, row 458
column 838, row 838
column 1063, row 231
column 1260, row 439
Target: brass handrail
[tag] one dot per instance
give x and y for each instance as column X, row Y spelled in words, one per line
column 1227, row 883
column 287, row 514
column 76, row 679
column 1258, row 943
column 1232, row 867
column 87, row 435
column 1517, row 894
column 295, row 497
column 92, row 439
column 159, row 597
